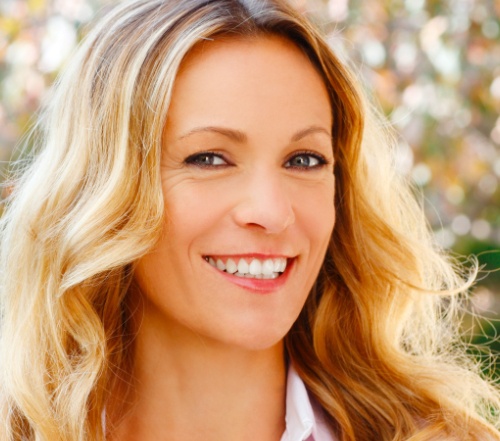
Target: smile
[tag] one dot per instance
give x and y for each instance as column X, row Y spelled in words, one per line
column 250, row 268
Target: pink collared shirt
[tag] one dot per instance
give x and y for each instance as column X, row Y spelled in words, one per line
column 304, row 418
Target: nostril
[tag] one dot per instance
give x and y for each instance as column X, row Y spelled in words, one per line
column 269, row 222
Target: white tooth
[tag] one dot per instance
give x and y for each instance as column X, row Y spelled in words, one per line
column 278, row 265
column 270, row 276
column 239, row 274
column 220, row 265
column 259, row 276
column 283, row 264
column 268, row 267
column 212, row 262
column 231, row 267
column 255, row 267
column 242, row 266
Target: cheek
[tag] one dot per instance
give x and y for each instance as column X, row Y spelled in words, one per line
column 315, row 210
column 190, row 211
column 192, row 208
column 315, row 213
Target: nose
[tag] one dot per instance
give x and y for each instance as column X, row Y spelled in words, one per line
column 264, row 203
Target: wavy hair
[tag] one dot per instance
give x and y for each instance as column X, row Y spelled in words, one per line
column 376, row 343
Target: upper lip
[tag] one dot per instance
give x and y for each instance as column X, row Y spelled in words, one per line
column 251, row 255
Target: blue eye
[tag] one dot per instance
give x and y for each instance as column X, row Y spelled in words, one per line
column 305, row 160
column 206, row 159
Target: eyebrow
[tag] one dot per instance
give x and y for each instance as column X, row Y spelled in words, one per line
column 241, row 137
column 235, row 135
column 310, row 131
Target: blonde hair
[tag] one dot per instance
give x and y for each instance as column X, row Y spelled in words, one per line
column 376, row 343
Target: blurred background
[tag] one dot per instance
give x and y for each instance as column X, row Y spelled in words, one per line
column 433, row 65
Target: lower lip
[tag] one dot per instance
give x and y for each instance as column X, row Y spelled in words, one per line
column 259, row 286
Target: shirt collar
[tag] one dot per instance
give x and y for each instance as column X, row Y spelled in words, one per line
column 304, row 418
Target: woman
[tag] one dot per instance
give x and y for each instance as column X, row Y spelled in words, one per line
column 212, row 243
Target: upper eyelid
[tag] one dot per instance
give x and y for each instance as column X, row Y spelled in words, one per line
column 205, row 152
column 208, row 153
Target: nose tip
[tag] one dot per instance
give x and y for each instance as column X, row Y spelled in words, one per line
column 269, row 222
column 265, row 205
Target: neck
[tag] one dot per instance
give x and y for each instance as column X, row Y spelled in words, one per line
column 186, row 386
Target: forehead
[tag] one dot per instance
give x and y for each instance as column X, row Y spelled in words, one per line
column 248, row 52
column 266, row 74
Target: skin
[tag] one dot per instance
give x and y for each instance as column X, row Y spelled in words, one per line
column 247, row 171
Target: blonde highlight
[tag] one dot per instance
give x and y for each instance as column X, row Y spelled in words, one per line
column 377, row 342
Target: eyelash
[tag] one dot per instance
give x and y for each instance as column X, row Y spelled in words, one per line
column 195, row 160
column 322, row 161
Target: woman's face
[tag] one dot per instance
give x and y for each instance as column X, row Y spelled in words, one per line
column 247, row 178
